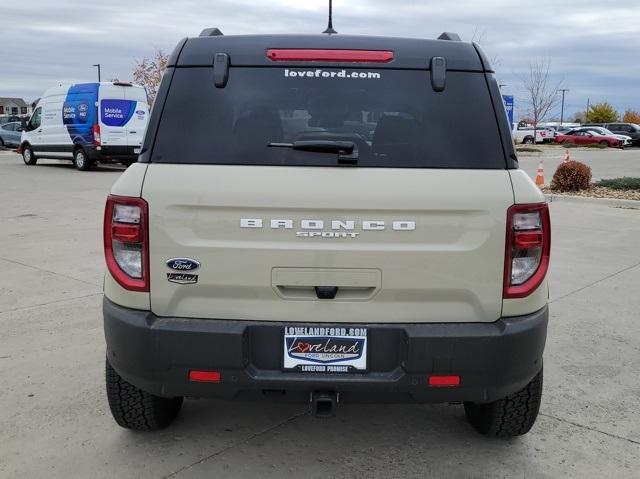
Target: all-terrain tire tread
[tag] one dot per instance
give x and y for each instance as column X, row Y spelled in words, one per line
column 133, row 408
column 510, row 416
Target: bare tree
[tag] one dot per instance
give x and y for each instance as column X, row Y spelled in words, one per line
column 479, row 35
column 542, row 93
column 148, row 73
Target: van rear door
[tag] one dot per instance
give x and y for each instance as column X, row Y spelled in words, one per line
column 137, row 124
column 115, row 111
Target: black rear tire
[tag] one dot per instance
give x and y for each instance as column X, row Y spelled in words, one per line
column 133, row 408
column 508, row 417
column 81, row 160
column 28, row 156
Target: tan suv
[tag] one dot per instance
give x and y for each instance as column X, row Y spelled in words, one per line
column 305, row 223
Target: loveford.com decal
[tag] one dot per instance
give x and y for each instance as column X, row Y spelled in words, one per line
column 320, row 73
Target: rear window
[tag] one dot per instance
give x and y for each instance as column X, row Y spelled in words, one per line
column 393, row 117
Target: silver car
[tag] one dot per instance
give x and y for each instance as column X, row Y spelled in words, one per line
column 10, row 134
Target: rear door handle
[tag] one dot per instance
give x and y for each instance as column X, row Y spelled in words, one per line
column 132, row 132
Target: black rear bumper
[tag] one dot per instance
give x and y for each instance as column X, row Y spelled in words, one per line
column 156, row 354
column 115, row 153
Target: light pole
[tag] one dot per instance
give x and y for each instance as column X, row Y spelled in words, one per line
column 563, row 90
column 98, row 65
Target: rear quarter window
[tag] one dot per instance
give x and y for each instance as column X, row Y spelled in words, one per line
column 394, row 118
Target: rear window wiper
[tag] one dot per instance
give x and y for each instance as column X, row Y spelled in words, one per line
column 346, row 150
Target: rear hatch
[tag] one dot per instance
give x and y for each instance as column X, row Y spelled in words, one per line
column 403, row 221
column 123, row 114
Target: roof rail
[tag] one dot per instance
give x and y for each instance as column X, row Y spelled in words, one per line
column 211, row 32
column 454, row 37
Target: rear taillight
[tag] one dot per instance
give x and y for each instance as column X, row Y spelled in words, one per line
column 126, row 241
column 96, row 135
column 527, row 249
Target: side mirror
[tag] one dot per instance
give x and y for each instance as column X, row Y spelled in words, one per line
column 20, row 128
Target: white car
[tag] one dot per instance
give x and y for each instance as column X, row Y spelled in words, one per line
column 626, row 140
column 87, row 123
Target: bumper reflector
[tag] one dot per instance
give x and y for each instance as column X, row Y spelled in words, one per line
column 444, row 381
column 205, row 376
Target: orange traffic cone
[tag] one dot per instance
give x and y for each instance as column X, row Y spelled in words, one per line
column 540, row 175
column 567, row 156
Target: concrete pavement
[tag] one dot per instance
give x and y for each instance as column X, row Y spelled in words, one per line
column 605, row 163
column 55, row 423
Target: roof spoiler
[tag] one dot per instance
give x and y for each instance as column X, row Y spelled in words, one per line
column 211, row 32
column 454, row 37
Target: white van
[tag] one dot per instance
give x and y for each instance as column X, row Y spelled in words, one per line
column 87, row 123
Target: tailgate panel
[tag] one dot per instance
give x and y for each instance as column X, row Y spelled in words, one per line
column 448, row 269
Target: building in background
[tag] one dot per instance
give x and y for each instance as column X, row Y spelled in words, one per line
column 14, row 107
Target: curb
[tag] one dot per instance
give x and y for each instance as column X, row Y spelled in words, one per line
column 613, row 202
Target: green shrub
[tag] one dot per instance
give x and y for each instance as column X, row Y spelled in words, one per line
column 625, row 183
column 571, row 176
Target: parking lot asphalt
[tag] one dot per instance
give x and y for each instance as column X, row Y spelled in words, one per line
column 605, row 163
column 54, row 418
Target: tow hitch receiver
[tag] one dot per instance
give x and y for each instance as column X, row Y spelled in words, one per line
column 324, row 403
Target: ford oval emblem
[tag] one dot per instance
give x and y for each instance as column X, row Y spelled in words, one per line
column 139, row 112
column 183, row 264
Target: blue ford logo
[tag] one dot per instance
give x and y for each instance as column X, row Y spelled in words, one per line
column 139, row 112
column 183, row 264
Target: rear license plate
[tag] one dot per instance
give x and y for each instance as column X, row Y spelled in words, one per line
column 325, row 349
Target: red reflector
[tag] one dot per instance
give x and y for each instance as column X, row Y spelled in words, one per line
column 444, row 381
column 125, row 233
column 528, row 239
column 205, row 376
column 300, row 55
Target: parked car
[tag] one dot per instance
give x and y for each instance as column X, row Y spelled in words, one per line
column 628, row 129
column 11, row 118
column 87, row 123
column 10, row 133
column 599, row 130
column 586, row 137
column 307, row 264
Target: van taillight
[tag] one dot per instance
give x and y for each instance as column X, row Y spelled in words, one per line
column 96, row 134
column 126, row 241
column 527, row 249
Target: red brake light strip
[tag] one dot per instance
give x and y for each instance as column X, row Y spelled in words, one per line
column 346, row 56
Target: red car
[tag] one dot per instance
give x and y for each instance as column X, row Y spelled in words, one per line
column 587, row 137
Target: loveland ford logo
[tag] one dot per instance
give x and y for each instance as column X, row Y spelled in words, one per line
column 183, row 264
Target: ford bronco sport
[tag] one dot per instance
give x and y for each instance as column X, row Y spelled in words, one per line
column 306, row 223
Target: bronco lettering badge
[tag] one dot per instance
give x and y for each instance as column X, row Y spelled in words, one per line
column 325, row 349
column 329, row 229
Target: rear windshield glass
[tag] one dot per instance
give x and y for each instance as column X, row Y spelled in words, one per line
column 392, row 117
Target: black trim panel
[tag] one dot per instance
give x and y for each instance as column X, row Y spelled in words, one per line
column 493, row 359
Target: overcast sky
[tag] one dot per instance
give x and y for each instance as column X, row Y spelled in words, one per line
column 594, row 46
